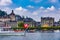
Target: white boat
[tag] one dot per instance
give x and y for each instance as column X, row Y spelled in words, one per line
column 56, row 31
column 11, row 32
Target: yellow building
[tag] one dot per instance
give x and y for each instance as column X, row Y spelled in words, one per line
column 47, row 21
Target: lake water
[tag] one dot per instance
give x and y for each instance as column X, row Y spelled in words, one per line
column 34, row 36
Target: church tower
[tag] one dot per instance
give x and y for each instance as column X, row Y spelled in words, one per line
column 12, row 16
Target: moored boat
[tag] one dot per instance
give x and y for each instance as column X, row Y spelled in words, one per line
column 11, row 32
column 56, row 30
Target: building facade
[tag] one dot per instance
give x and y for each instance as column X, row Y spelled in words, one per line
column 12, row 24
column 30, row 21
column 47, row 21
column 8, row 20
column 10, row 17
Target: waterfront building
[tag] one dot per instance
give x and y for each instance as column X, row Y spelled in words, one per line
column 18, row 18
column 7, row 20
column 56, row 24
column 38, row 24
column 12, row 16
column 4, row 18
column 9, row 17
column 2, row 24
column 59, row 23
column 30, row 21
column 12, row 24
column 47, row 21
column 8, row 24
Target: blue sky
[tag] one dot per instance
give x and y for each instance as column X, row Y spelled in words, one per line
column 36, row 3
column 33, row 8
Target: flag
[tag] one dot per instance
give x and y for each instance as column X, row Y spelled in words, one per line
column 26, row 25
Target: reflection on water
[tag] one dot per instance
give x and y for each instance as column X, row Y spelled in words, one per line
column 34, row 36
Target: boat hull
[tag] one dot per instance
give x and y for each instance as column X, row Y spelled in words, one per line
column 12, row 33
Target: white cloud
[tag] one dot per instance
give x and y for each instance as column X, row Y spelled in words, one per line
column 21, row 11
column 51, row 9
column 36, row 1
column 29, row 6
column 5, row 2
column 35, row 13
column 6, row 9
column 53, row 1
column 41, row 7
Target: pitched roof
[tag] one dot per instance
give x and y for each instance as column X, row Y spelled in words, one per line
column 28, row 20
column 12, row 13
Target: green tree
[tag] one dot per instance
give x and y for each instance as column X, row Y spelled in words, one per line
column 2, row 13
column 20, row 24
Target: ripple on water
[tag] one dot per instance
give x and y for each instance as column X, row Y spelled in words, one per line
column 34, row 36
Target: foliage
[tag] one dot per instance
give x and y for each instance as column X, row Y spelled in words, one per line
column 20, row 24
column 2, row 13
column 39, row 28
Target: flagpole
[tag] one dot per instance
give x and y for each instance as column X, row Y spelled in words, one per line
column 25, row 32
column 26, row 27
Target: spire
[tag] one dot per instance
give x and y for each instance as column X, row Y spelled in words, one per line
column 12, row 13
